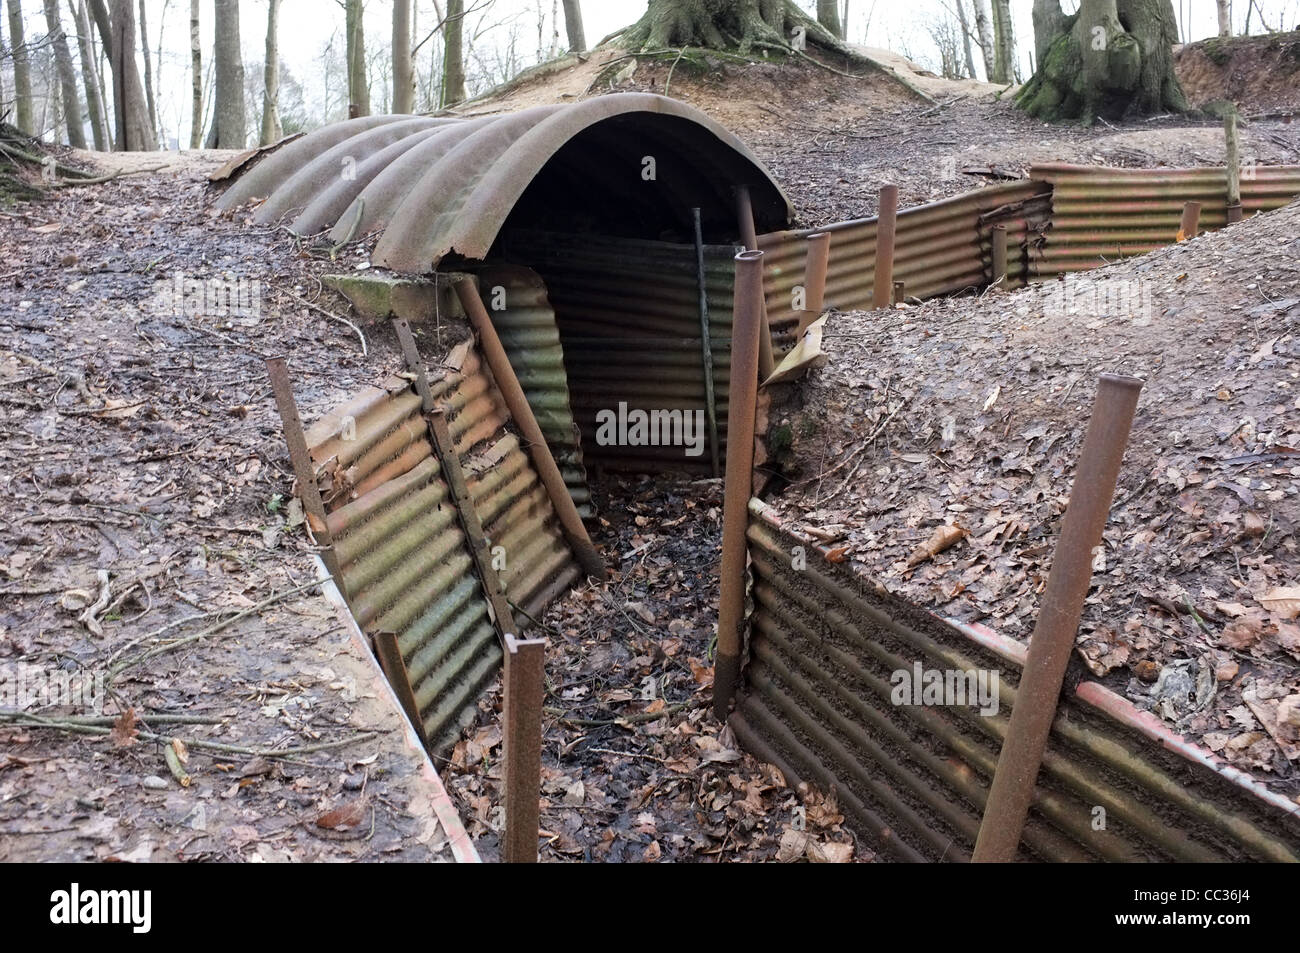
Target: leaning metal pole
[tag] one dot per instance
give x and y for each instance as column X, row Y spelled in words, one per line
column 1058, row 620
column 738, row 481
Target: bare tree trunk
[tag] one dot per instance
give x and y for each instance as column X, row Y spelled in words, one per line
column 828, row 15
column 573, row 26
column 229, row 122
column 965, row 38
column 453, row 67
column 90, row 77
column 22, row 70
column 148, row 69
column 1115, row 57
column 358, row 84
column 196, row 78
column 403, row 67
column 1004, row 43
column 1225, row 17
column 1049, row 22
column 984, row 29
column 271, row 129
column 67, row 76
column 134, row 132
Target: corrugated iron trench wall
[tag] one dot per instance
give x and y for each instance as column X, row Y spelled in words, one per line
column 405, row 564
column 1064, row 218
column 629, row 321
column 817, row 701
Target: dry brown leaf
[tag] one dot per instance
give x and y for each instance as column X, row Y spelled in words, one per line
column 792, row 847
column 124, row 733
column 1283, row 601
column 830, row 852
column 344, row 816
column 1242, row 634
column 944, row 537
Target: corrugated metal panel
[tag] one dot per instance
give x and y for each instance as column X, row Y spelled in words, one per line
column 526, row 325
column 405, row 563
column 444, row 186
column 940, row 248
column 628, row 314
column 819, row 702
column 1101, row 214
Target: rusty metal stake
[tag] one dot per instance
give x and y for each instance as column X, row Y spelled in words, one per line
column 1058, row 620
column 882, row 284
column 706, row 345
column 411, row 355
column 999, row 233
column 303, row 471
column 1191, row 221
column 900, row 292
column 749, row 236
column 394, row 666
column 738, row 482
column 517, row 403
column 1233, row 144
column 814, row 280
column 525, row 667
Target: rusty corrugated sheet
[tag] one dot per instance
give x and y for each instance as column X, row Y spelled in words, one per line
column 525, row 321
column 633, row 162
column 628, row 313
column 1102, row 214
column 940, row 248
column 404, row 561
column 819, row 701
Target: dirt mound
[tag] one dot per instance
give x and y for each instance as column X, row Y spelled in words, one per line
column 1261, row 74
column 970, row 412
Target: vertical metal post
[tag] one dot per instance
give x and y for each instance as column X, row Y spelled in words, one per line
column 303, row 471
column 999, row 235
column 749, row 236
column 394, row 666
column 882, row 283
column 1233, row 144
column 517, row 403
column 1058, row 620
column 738, row 482
column 525, row 662
column 1191, row 221
column 706, row 344
column 900, row 292
column 814, row 279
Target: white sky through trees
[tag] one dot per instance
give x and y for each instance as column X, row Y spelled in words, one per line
column 308, row 29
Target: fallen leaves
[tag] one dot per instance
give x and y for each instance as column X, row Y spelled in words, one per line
column 943, row 538
column 125, row 730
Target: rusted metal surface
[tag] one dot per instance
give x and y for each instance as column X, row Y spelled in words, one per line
column 522, row 413
column 443, row 187
column 1058, row 619
column 1189, row 224
column 814, row 279
column 818, row 698
column 394, row 668
column 522, row 739
column 1000, row 261
column 628, row 313
column 706, row 345
column 749, row 238
column 1101, row 214
column 739, row 480
column 940, row 248
column 882, row 280
column 525, row 321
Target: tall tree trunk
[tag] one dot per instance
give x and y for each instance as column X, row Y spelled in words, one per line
column 271, row 129
column 965, row 38
column 196, row 78
column 828, row 15
column 134, row 132
column 2, row 73
column 229, row 122
column 148, row 69
column 1048, row 24
column 573, row 26
column 984, row 30
column 90, row 77
column 1225, row 17
column 67, row 76
column 1004, row 43
column 453, row 65
column 1112, row 58
column 358, row 84
column 22, row 70
column 403, row 68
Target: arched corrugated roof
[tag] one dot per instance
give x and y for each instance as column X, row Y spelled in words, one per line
column 447, row 187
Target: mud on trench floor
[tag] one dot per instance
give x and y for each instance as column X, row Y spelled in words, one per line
column 634, row 765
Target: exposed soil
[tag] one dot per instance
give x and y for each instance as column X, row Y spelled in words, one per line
column 1261, row 74
column 936, row 448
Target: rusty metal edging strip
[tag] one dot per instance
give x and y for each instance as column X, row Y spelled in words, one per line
column 524, row 691
column 462, row 847
column 390, row 660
